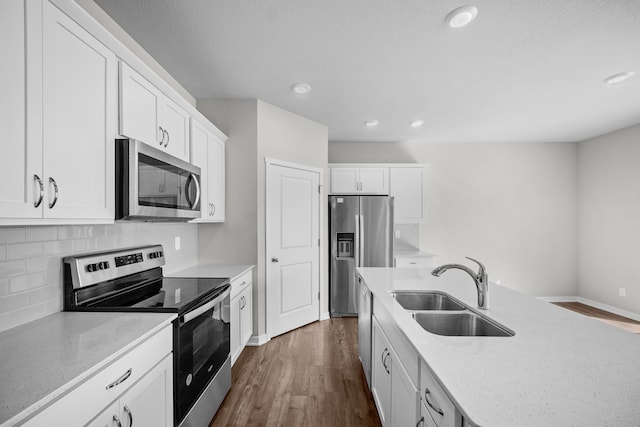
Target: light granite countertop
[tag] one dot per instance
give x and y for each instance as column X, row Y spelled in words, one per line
column 231, row 271
column 414, row 254
column 42, row 360
column 560, row 369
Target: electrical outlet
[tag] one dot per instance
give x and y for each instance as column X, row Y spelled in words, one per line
column 622, row 292
column 397, row 234
column 177, row 241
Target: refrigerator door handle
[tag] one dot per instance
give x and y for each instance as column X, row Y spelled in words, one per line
column 361, row 241
column 357, row 242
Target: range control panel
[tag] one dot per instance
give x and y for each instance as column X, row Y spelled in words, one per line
column 97, row 267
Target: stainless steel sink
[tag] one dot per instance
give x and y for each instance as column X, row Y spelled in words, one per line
column 419, row 300
column 457, row 324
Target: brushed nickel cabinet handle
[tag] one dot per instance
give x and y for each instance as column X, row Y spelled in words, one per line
column 166, row 132
column 420, row 422
column 41, row 185
column 55, row 192
column 117, row 420
column 130, row 414
column 161, row 135
column 427, row 392
column 120, row 380
column 213, row 209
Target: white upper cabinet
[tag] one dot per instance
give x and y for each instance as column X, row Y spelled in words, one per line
column 58, row 162
column 21, row 160
column 408, row 186
column 146, row 114
column 79, row 120
column 352, row 179
column 208, row 153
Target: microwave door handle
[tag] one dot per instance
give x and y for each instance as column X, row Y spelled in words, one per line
column 203, row 308
column 197, row 200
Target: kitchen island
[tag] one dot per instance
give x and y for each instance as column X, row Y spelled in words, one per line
column 559, row 369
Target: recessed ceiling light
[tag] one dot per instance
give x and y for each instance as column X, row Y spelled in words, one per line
column 416, row 123
column 301, row 88
column 461, row 16
column 371, row 123
column 618, row 78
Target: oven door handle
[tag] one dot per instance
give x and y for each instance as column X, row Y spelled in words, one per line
column 204, row 308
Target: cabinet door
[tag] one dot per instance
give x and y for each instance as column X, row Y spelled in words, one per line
column 407, row 185
column 139, row 108
column 109, row 417
column 216, row 182
column 175, row 122
column 150, row 401
column 374, row 180
column 344, row 180
column 246, row 316
column 404, row 395
column 235, row 328
column 21, row 160
column 79, row 105
column 199, row 157
column 381, row 374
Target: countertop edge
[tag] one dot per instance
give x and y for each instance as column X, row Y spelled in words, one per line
column 66, row 388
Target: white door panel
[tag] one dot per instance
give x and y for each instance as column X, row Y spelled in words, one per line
column 293, row 257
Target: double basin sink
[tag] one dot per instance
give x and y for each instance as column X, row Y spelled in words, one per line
column 442, row 314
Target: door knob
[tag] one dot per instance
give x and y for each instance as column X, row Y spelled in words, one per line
column 274, row 260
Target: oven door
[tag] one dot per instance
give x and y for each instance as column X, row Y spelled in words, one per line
column 154, row 184
column 202, row 347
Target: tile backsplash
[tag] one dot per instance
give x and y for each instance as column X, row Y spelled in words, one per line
column 31, row 260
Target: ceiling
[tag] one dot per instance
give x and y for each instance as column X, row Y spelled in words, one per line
column 522, row 71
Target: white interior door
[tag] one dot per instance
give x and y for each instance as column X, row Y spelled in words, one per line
column 293, row 247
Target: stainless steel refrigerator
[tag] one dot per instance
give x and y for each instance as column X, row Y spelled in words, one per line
column 361, row 230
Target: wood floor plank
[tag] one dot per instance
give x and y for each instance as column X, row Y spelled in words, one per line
column 308, row 377
column 602, row 315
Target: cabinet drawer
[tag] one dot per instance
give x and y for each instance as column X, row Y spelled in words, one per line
column 237, row 285
column 93, row 395
column 417, row 262
column 438, row 405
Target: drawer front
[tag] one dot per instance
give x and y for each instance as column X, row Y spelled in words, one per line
column 238, row 285
column 418, row 262
column 93, row 395
column 441, row 409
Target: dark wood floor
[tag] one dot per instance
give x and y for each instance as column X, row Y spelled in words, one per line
column 308, row 377
column 604, row 316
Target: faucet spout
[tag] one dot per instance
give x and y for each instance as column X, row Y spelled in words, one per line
column 480, row 279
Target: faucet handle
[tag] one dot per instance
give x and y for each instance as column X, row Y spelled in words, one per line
column 482, row 271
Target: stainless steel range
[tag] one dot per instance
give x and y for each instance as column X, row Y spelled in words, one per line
column 131, row 280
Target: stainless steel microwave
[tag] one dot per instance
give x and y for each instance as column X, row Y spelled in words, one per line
column 152, row 185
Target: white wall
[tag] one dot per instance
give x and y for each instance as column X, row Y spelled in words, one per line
column 256, row 130
column 609, row 218
column 512, row 206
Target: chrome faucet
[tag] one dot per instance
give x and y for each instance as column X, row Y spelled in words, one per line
column 481, row 279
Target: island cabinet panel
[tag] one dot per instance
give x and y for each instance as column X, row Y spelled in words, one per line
column 241, row 311
column 138, row 385
column 395, row 394
column 438, row 405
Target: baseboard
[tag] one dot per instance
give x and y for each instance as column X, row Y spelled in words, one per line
column 325, row 315
column 559, row 299
column 610, row 309
column 257, row 340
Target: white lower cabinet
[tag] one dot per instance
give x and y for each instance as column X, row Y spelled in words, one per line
column 395, row 395
column 136, row 389
column 438, row 406
column 241, row 314
column 146, row 403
